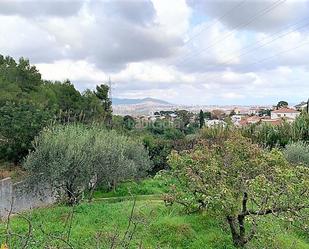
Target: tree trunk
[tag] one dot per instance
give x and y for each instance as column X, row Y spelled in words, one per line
column 238, row 230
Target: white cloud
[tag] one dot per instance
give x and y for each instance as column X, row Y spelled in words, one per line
column 175, row 50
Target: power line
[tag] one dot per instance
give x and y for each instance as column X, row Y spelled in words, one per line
column 280, row 53
column 259, row 45
column 267, row 58
column 241, row 25
column 220, row 18
column 254, row 46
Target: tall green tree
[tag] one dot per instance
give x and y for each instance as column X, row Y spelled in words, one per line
column 19, row 124
column 102, row 92
column 201, row 119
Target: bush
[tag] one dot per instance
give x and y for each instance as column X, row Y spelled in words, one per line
column 75, row 158
column 297, row 153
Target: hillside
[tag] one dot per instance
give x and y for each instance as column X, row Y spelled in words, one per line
column 120, row 101
column 139, row 106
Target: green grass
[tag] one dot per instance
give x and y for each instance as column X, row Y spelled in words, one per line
column 150, row 186
column 158, row 226
column 95, row 224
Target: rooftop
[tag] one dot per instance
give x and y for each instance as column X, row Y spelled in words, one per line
column 285, row 110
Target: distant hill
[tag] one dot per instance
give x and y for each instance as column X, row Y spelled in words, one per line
column 119, row 101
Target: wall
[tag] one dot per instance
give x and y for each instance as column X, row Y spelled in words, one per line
column 22, row 200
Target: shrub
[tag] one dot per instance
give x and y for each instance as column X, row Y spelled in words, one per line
column 297, row 153
column 74, row 158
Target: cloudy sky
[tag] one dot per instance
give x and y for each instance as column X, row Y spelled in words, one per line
column 185, row 52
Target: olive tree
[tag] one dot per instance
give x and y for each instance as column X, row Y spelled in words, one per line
column 239, row 181
column 117, row 158
column 72, row 159
column 297, row 153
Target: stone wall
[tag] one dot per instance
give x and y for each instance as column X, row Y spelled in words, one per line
column 21, row 197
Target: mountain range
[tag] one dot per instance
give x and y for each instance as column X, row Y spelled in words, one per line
column 151, row 101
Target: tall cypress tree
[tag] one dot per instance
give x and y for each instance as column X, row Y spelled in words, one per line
column 201, row 119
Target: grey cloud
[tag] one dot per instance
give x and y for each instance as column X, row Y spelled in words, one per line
column 131, row 35
column 256, row 15
column 113, row 33
column 34, row 8
column 135, row 11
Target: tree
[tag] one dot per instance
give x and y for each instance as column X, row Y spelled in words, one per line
column 19, row 124
column 232, row 113
column 117, row 158
column 128, row 122
column 201, row 119
column 102, row 93
column 264, row 112
column 158, row 150
column 72, row 159
column 217, row 114
column 241, row 182
column 183, row 119
column 281, row 104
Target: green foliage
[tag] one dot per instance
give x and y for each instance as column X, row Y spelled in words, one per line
column 102, row 94
column 183, row 119
column 28, row 103
column 279, row 136
column 148, row 186
column 217, row 132
column 158, row 149
column 240, row 181
column 201, row 119
column 128, row 122
column 73, row 158
column 163, row 227
column 297, row 153
column 19, row 124
column 282, row 103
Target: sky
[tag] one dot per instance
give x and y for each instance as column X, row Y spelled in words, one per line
column 193, row 52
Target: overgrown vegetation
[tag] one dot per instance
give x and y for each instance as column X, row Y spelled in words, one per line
column 241, row 182
column 245, row 187
column 73, row 159
column 279, row 136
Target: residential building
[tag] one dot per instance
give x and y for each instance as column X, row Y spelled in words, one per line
column 215, row 122
column 285, row 113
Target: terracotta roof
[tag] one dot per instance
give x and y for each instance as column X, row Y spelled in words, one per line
column 272, row 121
column 285, row 110
column 253, row 118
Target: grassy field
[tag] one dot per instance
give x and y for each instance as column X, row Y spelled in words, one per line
column 98, row 224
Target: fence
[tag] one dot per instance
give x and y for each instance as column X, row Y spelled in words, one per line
column 13, row 196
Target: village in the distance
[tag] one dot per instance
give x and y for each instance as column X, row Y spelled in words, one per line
column 149, row 110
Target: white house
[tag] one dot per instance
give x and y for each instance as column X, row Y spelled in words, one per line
column 215, row 122
column 254, row 111
column 285, row 113
column 236, row 118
